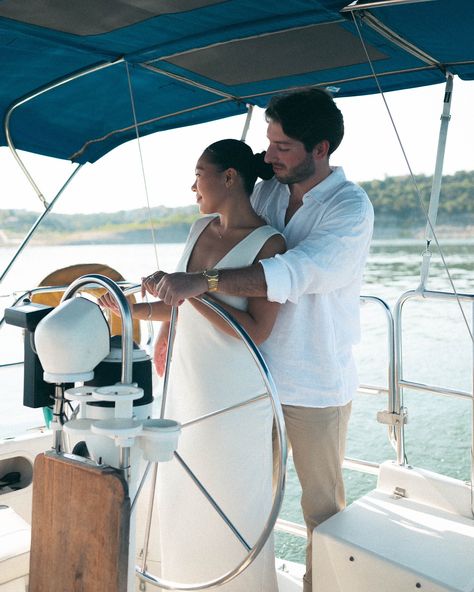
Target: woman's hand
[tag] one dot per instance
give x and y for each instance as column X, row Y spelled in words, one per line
column 108, row 301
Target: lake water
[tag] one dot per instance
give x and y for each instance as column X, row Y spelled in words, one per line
column 437, row 351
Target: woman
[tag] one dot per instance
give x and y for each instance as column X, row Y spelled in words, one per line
column 231, row 453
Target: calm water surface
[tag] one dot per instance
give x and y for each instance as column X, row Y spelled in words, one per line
column 436, row 345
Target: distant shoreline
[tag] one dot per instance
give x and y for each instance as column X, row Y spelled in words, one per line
column 396, row 202
column 178, row 236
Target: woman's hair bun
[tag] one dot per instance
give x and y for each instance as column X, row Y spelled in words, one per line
column 238, row 155
column 262, row 168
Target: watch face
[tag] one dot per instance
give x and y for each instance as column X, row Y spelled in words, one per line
column 212, row 274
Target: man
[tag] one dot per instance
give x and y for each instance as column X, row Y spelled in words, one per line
column 327, row 223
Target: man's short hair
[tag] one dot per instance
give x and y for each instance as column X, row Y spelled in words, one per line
column 309, row 115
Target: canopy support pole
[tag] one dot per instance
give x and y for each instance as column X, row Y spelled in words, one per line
column 248, row 119
column 38, row 221
column 48, row 207
column 36, row 93
column 353, row 6
column 437, row 180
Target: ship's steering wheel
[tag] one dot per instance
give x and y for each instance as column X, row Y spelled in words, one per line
column 252, row 551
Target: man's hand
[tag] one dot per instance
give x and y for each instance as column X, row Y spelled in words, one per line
column 150, row 282
column 174, row 288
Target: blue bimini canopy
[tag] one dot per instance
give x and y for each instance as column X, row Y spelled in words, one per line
column 69, row 70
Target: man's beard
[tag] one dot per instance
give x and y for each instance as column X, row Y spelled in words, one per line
column 299, row 173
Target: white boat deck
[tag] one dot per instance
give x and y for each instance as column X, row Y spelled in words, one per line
column 384, row 541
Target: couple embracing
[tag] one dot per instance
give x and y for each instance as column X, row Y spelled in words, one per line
column 285, row 258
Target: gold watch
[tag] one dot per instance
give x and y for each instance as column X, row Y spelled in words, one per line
column 212, row 277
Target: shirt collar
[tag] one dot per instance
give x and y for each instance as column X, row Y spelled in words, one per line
column 328, row 185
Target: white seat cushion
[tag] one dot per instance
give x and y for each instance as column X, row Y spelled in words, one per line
column 15, row 537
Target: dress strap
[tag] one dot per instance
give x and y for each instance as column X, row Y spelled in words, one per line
column 245, row 252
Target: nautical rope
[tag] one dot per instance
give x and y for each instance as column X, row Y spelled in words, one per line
column 145, row 184
column 147, row 195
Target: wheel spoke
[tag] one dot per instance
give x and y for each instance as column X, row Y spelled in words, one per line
column 151, row 507
column 213, row 502
column 224, row 410
column 140, row 486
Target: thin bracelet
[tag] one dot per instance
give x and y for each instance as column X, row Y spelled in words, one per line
column 150, row 311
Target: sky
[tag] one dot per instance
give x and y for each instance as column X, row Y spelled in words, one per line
column 370, row 150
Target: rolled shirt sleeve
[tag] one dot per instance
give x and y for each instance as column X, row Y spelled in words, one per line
column 334, row 240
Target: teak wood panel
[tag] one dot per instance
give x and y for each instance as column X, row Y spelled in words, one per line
column 80, row 527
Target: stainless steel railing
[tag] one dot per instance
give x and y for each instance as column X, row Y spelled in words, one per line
column 401, row 382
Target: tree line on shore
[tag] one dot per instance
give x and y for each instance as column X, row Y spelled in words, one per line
column 396, row 202
column 398, row 196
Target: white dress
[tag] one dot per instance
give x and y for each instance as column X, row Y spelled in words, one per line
column 231, row 454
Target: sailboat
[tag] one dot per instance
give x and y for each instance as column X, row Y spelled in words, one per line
column 79, row 80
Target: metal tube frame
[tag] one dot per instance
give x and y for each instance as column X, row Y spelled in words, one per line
column 440, row 152
column 354, row 7
column 395, row 432
column 401, row 382
column 45, row 290
column 248, row 120
column 6, row 124
column 432, row 212
column 213, row 502
column 125, row 314
column 169, row 354
column 36, row 93
column 38, row 221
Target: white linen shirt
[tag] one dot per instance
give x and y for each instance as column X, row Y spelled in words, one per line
column 309, row 351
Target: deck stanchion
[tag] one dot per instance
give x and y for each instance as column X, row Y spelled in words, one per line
column 401, row 382
column 393, row 396
column 472, row 415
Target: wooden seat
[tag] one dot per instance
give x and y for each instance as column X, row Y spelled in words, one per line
column 66, row 275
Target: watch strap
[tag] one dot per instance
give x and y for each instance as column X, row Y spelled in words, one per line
column 212, row 277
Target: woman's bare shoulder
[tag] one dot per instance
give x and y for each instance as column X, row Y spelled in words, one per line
column 274, row 245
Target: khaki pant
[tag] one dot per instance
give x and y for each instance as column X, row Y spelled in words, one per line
column 317, row 437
